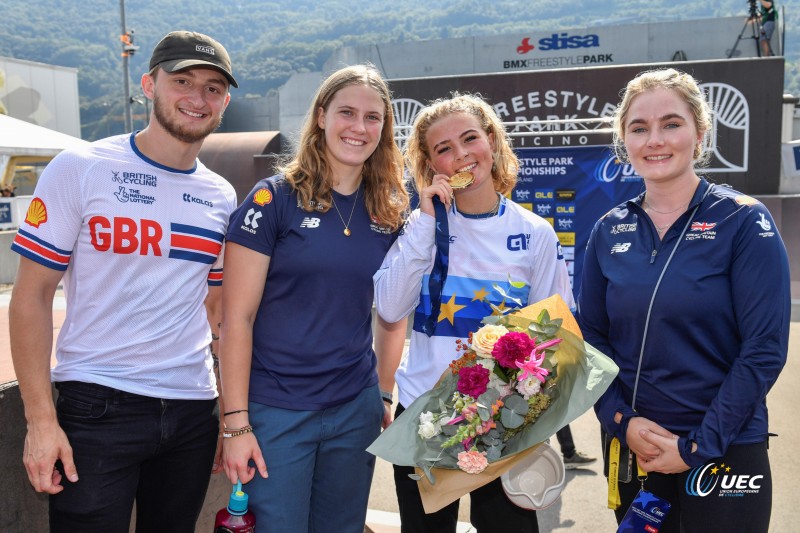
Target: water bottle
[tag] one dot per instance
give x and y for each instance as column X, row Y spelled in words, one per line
column 235, row 518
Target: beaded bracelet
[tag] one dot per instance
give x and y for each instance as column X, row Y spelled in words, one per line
column 229, row 433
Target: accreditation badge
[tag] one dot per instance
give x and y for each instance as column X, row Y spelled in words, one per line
column 645, row 515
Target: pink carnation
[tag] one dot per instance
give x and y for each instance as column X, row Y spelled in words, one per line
column 472, row 462
column 473, row 380
column 511, row 348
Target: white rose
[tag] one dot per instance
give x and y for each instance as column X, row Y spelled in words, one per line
column 529, row 386
column 484, row 339
column 428, row 428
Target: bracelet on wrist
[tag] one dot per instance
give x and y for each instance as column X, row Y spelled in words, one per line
column 387, row 397
column 236, row 411
column 230, row 433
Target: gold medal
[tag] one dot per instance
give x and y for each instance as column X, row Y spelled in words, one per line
column 461, row 180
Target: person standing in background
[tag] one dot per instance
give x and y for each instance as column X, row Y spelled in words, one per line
column 768, row 18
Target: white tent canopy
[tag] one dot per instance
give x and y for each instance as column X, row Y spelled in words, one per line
column 20, row 138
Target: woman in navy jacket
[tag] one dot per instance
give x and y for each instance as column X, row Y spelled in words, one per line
column 699, row 342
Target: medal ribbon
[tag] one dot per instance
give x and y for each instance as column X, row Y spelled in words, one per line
column 439, row 273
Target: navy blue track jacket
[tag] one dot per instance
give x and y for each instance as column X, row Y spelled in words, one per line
column 719, row 329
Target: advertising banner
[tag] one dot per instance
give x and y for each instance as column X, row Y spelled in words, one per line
column 572, row 187
column 745, row 96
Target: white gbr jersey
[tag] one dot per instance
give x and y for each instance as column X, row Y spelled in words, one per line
column 139, row 243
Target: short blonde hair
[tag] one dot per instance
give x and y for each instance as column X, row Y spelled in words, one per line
column 506, row 164
column 685, row 86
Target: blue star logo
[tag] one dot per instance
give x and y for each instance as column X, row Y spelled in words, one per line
column 644, row 498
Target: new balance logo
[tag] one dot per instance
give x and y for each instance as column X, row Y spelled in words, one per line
column 310, row 222
column 620, row 248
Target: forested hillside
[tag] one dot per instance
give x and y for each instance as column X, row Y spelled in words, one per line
column 268, row 41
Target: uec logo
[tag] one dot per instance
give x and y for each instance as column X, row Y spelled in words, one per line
column 611, row 168
column 701, row 484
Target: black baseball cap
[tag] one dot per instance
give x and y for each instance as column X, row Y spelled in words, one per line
column 179, row 50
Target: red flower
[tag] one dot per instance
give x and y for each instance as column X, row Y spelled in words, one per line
column 511, row 348
column 473, row 380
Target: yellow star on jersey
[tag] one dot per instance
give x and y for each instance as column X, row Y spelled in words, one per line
column 715, row 470
column 449, row 310
column 480, row 295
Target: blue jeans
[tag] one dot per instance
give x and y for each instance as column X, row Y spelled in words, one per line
column 126, row 446
column 319, row 470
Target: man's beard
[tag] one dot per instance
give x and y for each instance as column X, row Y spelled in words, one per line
column 176, row 130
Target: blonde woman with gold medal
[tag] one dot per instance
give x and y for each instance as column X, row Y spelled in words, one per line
column 444, row 267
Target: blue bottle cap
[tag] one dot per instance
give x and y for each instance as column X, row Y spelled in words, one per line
column 237, row 505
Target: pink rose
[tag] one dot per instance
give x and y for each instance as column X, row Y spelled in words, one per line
column 473, row 380
column 511, row 348
column 472, row 462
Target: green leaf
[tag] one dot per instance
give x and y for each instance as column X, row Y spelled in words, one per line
column 500, row 372
column 493, row 453
column 428, row 474
column 492, row 320
column 449, row 429
column 511, row 419
column 489, row 397
column 516, row 284
column 513, row 413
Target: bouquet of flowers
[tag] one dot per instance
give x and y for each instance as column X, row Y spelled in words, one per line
column 518, row 380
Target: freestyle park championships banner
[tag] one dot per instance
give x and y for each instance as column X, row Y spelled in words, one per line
column 572, row 187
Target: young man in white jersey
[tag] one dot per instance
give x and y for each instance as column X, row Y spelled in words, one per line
column 134, row 224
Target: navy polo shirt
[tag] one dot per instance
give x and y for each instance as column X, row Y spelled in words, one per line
column 312, row 337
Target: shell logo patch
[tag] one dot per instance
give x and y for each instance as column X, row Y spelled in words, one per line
column 262, row 196
column 37, row 213
column 745, row 200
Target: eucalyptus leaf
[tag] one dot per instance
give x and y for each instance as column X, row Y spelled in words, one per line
column 516, row 403
column 426, row 469
column 484, row 413
column 491, row 319
column 511, row 419
column 489, row 397
column 493, row 453
column 415, row 477
column 491, row 440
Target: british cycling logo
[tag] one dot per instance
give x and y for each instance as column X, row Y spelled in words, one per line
column 134, row 178
column 704, row 479
column 612, row 169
